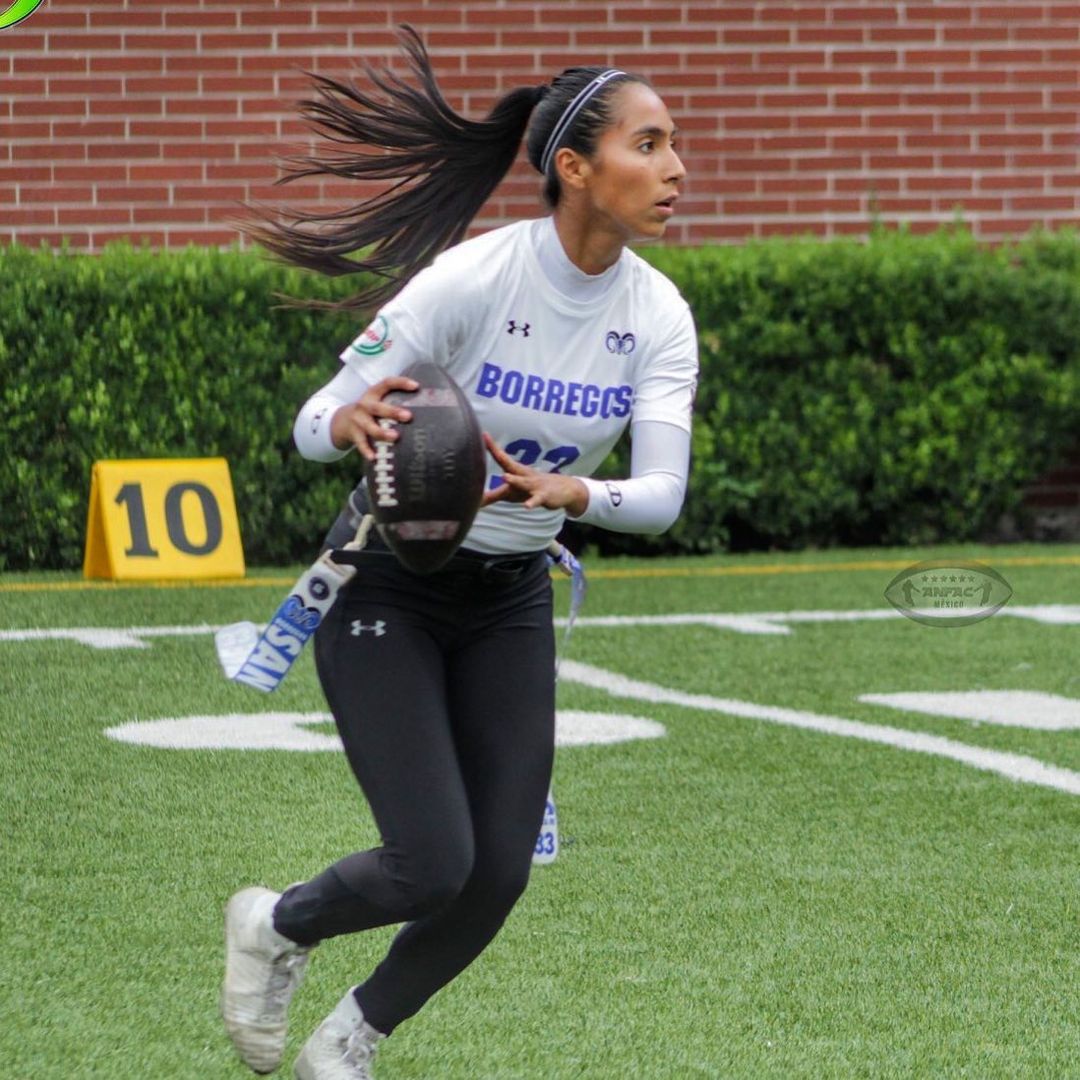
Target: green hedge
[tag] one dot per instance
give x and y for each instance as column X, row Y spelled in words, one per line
column 900, row 391
column 137, row 354
column 903, row 390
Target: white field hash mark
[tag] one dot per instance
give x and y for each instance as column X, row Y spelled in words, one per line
column 761, row 622
column 291, row 731
column 1031, row 710
column 1014, row 766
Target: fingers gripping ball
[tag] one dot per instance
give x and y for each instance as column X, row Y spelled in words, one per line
column 425, row 487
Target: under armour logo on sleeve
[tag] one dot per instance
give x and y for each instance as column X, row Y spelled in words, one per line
column 378, row 628
column 514, row 328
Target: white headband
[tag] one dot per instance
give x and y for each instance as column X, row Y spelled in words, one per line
column 570, row 114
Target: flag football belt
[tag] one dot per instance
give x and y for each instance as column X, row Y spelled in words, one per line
column 262, row 661
column 494, row 569
column 485, row 568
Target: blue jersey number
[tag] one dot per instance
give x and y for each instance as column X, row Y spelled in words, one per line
column 529, row 452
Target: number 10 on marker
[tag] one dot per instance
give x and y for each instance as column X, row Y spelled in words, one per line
column 162, row 519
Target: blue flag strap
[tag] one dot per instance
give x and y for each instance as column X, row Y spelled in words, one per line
column 262, row 660
column 562, row 557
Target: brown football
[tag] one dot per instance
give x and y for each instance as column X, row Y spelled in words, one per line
column 425, row 487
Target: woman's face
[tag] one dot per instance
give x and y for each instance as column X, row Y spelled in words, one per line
column 633, row 178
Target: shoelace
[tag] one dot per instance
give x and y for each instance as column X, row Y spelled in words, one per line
column 358, row 1053
column 284, row 974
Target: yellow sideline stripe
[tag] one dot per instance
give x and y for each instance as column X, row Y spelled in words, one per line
column 817, row 568
column 594, row 575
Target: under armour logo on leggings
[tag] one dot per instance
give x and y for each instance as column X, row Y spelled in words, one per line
column 378, row 628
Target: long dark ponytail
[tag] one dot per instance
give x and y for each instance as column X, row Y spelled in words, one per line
column 442, row 168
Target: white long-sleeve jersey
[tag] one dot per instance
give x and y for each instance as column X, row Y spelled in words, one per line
column 556, row 364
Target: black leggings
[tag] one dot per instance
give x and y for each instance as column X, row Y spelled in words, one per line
column 443, row 690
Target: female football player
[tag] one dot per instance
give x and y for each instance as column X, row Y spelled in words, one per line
column 442, row 686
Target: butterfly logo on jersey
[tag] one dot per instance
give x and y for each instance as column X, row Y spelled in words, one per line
column 623, row 344
column 514, row 327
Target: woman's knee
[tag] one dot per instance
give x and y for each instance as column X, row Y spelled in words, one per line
column 498, row 883
column 433, row 874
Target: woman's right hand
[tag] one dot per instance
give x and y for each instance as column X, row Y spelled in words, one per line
column 358, row 424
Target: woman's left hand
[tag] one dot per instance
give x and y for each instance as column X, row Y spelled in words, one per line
column 533, row 488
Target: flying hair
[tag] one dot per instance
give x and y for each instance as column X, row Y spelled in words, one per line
column 440, row 168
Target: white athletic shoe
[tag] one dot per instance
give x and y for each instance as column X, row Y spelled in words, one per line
column 262, row 970
column 342, row 1047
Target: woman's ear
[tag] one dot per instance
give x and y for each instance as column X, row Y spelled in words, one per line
column 572, row 168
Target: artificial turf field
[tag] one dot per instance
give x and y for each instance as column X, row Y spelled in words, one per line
column 785, row 881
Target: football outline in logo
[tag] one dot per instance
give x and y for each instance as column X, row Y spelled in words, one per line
column 948, row 592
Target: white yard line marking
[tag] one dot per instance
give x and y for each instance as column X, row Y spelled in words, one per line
column 106, row 637
column 598, row 573
column 232, row 731
column 1013, row 766
column 1029, row 709
column 1059, row 614
column 291, row 731
column 762, row 622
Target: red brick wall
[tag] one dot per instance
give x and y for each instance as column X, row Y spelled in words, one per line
column 152, row 119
